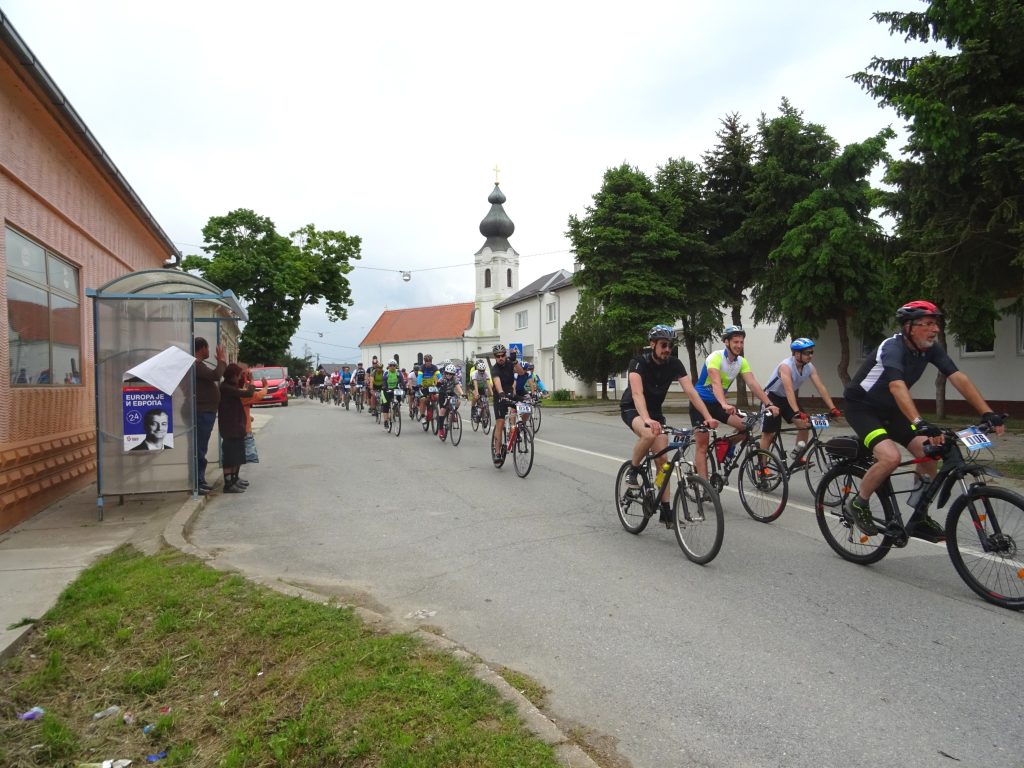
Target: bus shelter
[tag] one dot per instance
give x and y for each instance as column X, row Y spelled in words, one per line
column 146, row 437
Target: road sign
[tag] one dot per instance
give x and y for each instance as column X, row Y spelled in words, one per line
column 517, row 348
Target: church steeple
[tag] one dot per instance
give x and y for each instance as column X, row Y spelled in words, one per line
column 497, row 263
column 496, row 226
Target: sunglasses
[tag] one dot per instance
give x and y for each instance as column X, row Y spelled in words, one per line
column 499, row 356
column 806, row 351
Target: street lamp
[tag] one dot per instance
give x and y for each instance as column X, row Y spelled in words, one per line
column 407, row 276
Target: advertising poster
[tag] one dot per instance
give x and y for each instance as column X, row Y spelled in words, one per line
column 147, row 418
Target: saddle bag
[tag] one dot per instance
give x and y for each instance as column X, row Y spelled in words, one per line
column 845, row 447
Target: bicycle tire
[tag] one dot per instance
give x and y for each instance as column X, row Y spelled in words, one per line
column 455, row 428
column 629, row 503
column 485, row 420
column 396, row 420
column 522, row 451
column 699, row 520
column 535, row 418
column 763, row 487
column 433, row 421
column 474, row 418
column 499, row 458
column 997, row 575
column 818, row 462
column 428, row 417
column 838, row 486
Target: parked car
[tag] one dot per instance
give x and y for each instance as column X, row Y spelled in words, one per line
column 277, row 384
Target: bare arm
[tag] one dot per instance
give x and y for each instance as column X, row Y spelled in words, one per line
column 691, row 393
column 971, row 394
column 758, row 392
column 820, row 386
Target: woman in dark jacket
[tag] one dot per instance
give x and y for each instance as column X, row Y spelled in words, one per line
column 231, row 420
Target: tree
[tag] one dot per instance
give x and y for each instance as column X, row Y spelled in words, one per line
column 627, row 250
column 585, row 344
column 960, row 188
column 275, row 276
column 830, row 264
column 679, row 192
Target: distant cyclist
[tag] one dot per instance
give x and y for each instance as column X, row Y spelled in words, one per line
column 783, row 389
column 648, row 379
column 503, row 379
column 881, row 410
column 448, row 386
column 391, row 382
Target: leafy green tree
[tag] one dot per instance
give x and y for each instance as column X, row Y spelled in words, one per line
column 960, row 187
column 627, row 250
column 585, row 344
column 830, row 264
column 275, row 276
column 728, row 178
column 679, row 192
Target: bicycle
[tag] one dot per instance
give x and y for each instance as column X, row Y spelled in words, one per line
column 812, row 459
column 699, row 522
column 480, row 415
column 430, row 422
column 535, row 416
column 517, row 440
column 761, row 483
column 346, row 396
column 984, row 525
column 453, row 421
column 359, row 397
column 414, row 404
column 395, row 413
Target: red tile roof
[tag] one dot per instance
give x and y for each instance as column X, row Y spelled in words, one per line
column 448, row 321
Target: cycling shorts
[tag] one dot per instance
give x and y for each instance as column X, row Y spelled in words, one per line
column 501, row 406
column 774, row 423
column 714, row 408
column 873, row 425
column 629, row 414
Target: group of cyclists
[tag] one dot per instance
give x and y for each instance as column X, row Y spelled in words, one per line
column 879, row 406
column 431, row 387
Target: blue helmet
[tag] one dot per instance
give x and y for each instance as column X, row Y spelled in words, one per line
column 801, row 344
column 662, row 331
column 733, row 330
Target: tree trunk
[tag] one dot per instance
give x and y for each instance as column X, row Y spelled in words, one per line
column 742, row 401
column 843, row 368
column 940, row 385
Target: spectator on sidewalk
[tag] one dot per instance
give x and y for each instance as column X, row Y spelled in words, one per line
column 233, row 423
column 207, row 402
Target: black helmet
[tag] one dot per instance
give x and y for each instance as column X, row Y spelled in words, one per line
column 661, row 331
column 733, row 330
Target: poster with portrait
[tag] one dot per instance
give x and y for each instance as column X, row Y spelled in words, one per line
column 147, row 418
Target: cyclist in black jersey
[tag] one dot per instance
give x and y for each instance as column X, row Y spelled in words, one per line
column 503, row 379
column 881, row 410
column 650, row 375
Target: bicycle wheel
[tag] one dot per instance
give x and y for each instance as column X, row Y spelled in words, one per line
column 817, row 461
column 455, row 427
column 839, row 485
column 535, row 417
column 700, row 521
column 629, row 503
column 396, row 420
column 763, row 486
column 984, row 531
column 433, row 421
column 485, row 420
column 474, row 418
column 522, row 451
column 427, row 418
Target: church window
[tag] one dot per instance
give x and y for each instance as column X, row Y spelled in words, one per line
column 487, row 278
column 508, row 278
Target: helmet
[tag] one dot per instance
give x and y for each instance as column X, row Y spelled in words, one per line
column 915, row 310
column 802, row 343
column 499, row 349
column 481, row 365
column 527, row 366
column 733, row 330
column 417, row 368
column 450, row 368
column 661, row 331
column 392, row 363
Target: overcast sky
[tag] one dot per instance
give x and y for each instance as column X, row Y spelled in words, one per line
column 386, row 120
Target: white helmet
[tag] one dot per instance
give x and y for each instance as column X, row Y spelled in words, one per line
column 481, row 365
column 450, row 368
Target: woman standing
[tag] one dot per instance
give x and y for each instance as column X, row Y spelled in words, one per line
column 232, row 422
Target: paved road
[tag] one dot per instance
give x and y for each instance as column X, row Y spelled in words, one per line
column 776, row 654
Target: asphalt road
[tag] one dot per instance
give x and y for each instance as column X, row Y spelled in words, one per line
column 778, row 653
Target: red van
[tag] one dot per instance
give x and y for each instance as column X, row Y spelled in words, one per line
column 277, row 384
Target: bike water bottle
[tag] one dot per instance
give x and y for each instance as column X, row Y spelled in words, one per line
column 921, row 484
column 661, row 475
column 731, row 451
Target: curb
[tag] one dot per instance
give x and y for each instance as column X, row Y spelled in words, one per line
column 179, row 528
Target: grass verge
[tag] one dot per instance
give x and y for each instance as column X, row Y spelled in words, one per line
column 216, row 671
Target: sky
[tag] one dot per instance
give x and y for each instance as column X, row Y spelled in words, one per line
column 387, row 120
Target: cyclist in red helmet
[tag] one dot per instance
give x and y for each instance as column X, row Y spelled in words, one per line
column 881, row 410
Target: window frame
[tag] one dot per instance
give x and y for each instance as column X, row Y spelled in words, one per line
column 55, row 269
column 552, row 312
column 522, row 319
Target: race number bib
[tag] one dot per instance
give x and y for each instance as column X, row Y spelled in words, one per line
column 973, row 439
column 820, row 421
column 523, row 408
column 432, row 390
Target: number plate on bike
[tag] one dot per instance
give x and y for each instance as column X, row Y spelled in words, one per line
column 973, row 439
column 820, row 421
column 524, row 408
column 432, row 390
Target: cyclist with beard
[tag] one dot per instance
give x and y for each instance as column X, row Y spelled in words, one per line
column 428, row 378
column 648, row 379
column 881, row 410
column 503, row 379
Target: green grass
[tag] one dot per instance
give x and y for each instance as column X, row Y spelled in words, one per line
column 231, row 674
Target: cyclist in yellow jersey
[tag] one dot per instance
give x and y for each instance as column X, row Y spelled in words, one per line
column 722, row 367
column 429, row 379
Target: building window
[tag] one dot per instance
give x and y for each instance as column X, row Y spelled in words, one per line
column 522, row 319
column 508, row 278
column 487, row 278
column 979, row 350
column 551, row 312
column 43, row 316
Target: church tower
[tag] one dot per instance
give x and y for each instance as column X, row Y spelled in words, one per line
column 497, row 265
